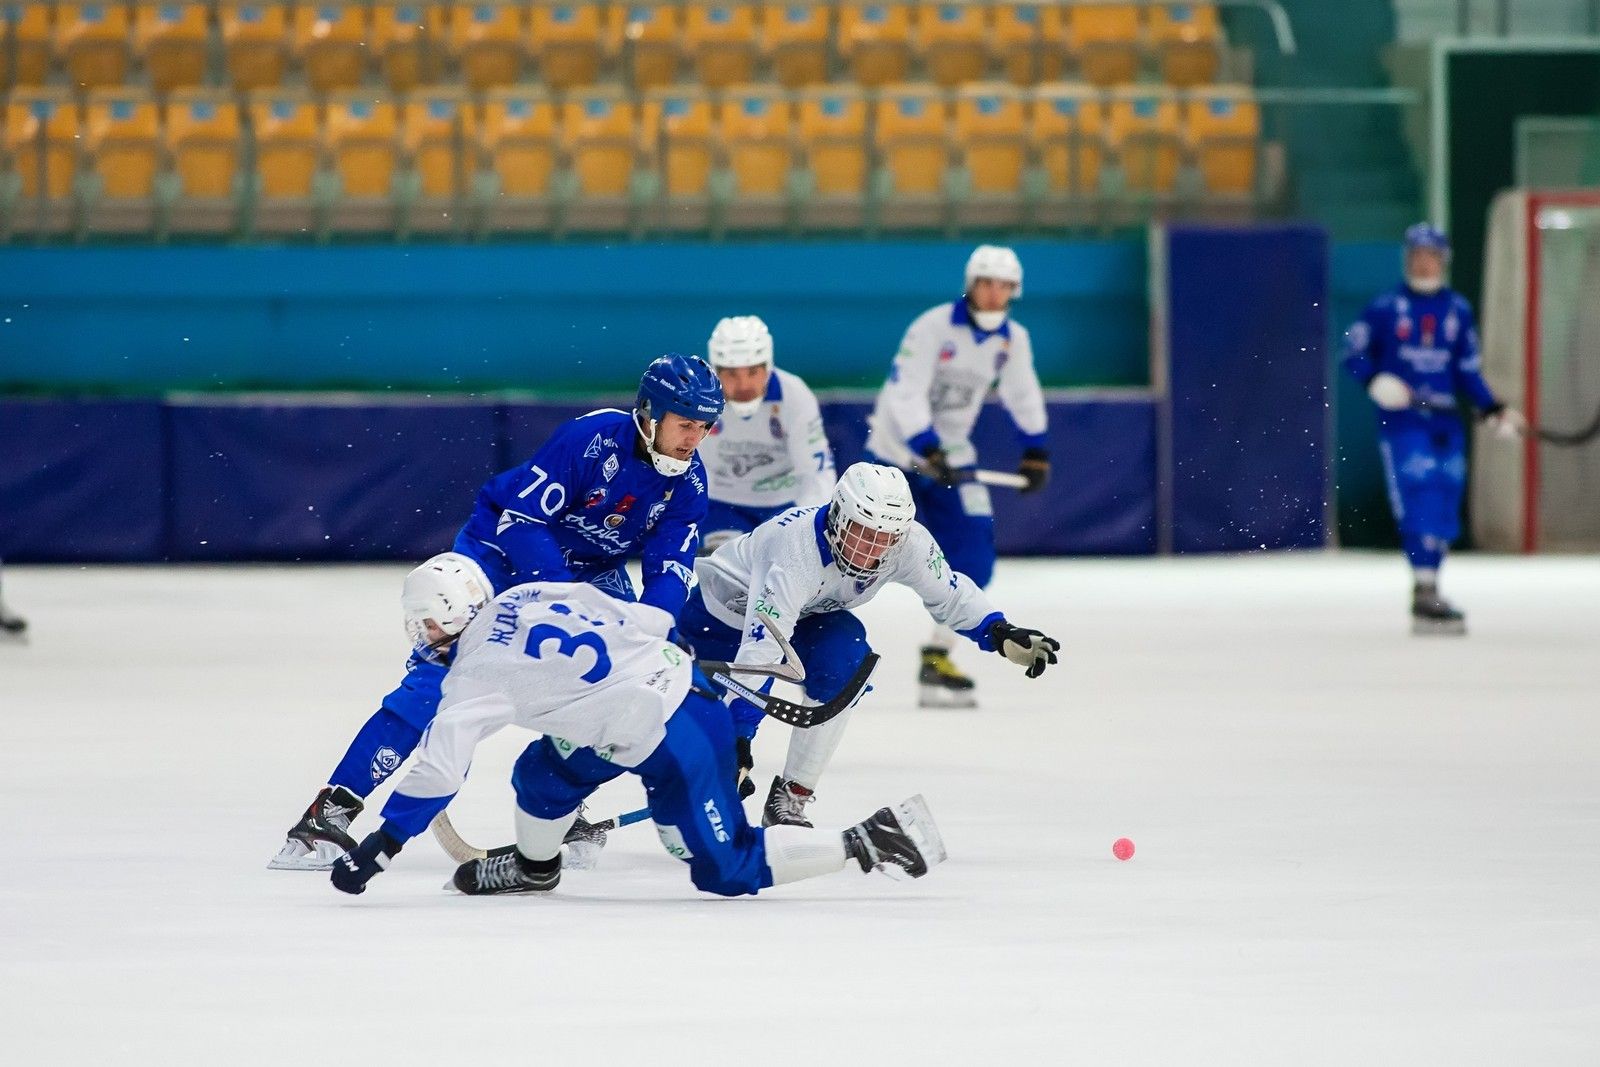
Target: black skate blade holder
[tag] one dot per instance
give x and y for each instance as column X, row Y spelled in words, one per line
column 789, row 669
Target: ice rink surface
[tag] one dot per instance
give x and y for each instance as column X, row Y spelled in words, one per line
column 1354, row 846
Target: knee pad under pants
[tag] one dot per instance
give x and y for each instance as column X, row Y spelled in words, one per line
column 695, row 804
column 1426, row 471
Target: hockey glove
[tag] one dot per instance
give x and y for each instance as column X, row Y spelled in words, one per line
column 1026, row 648
column 1036, row 468
column 353, row 870
column 747, row 763
column 936, row 465
column 1507, row 422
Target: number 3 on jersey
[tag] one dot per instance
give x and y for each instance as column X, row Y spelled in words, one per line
column 568, row 645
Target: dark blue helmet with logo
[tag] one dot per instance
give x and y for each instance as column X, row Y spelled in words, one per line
column 1426, row 235
column 683, row 385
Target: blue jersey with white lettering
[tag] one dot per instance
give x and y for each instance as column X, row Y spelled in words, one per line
column 1430, row 341
column 586, row 501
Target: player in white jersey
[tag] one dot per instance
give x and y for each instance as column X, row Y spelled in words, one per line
column 598, row 678
column 769, row 451
column 800, row 575
column 950, row 358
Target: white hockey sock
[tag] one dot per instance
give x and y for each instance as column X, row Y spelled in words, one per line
column 540, row 839
column 1425, row 576
column 794, row 853
column 810, row 751
column 943, row 638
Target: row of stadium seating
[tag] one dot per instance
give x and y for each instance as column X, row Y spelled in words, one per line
column 344, row 45
column 518, row 160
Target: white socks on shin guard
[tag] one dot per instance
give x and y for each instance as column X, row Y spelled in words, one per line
column 943, row 638
column 810, row 751
column 794, row 853
column 540, row 839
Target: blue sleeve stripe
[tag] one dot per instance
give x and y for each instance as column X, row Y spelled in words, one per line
column 980, row 632
column 406, row 817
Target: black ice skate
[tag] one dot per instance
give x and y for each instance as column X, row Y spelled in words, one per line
column 786, row 804
column 584, row 842
column 1432, row 613
column 507, row 871
column 942, row 685
column 323, row 833
column 898, row 840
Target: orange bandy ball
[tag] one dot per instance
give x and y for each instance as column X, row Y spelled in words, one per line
column 1122, row 848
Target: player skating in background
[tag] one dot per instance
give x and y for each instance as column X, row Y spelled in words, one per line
column 950, row 358
column 610, row 695
column 1415, row 349
column 606, row 486
column 769, row 452
column 799, row 575
column 12, row 627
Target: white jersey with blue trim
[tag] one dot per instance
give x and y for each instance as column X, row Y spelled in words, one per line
column 944, row 370
column 775, row 457
column 783, row 570
column 563, row 659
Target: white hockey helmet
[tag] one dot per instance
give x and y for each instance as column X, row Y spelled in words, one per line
column 741, row 341
column 994, row 261
column 870, row 512
column 448, row 590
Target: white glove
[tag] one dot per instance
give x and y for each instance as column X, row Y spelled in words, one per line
column 1508, row 424
column 1389, row 391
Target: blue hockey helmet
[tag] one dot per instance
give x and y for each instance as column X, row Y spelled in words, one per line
column 1426, row 235
column 683, row 385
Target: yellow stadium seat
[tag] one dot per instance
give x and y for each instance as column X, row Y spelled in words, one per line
column 721, row 42
column 1068, row 134
column 1225, row 131
column 833, row 133
column 26, row 59
column 203, row 143
column 601, row 135
column 438, row 130
column 952, row 39
column 255, row 40
column 991, row 132
column 1026, row 54
column 1146, row 133
column 172, row 40
column 362, row 145
column 795, row 40
column 649, row 39
column 1188, row 40
column 875, row 40
column 407, row 39
column 43, row 149
column 93, row 41
column 688, row 150
column 125, row 150
column 567, row 40
column 1106, row 42
column 912, row 137
column 488, row 42
column 755, row 131
column 330, row 42
column 288, row 143
column 519, row 143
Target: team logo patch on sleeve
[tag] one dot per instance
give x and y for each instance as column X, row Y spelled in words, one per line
column 384, row 763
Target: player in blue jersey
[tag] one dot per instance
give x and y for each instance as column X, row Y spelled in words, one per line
column 597, row 677
column 1415, row 350
column 607, row 486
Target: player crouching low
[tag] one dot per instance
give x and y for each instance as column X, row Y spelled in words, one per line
column 611, row 695
column 798, row 576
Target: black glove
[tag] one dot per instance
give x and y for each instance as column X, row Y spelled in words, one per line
column 353, row 870
column 1026, row 648
column 747, row 763
column 936, row 465
column 1036, row 468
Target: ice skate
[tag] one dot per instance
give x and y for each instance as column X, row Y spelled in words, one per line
column 583, row 843
column 898, row 840
column 323, row 833
column 942, row 685
column 1433, row 614
column 13, row 628
column 786, row 804
column 506, row 871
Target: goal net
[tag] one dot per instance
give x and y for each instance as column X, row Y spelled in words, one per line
column 1541, row 353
